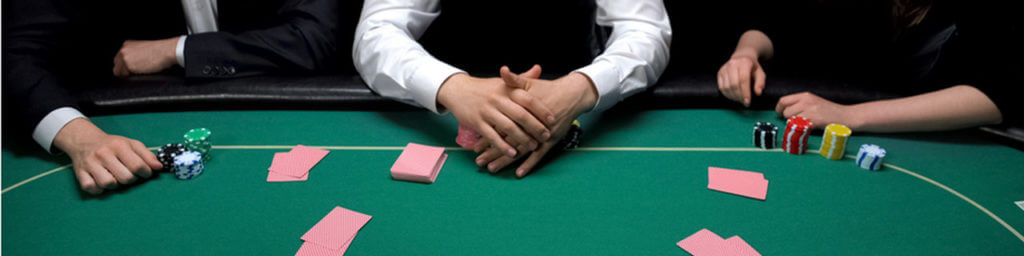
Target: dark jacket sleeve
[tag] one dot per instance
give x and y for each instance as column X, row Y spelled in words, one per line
column 304, row 40
column 31, row 88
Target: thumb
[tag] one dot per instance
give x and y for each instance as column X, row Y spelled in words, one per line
column 514, row 81
column 533, row 73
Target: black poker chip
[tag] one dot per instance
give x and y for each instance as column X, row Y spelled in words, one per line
column 167, row 153
column 572, row 137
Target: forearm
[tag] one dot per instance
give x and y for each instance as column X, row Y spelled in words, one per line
column 637, row 51
column 754, row 43
column 951, row 108
column 389, row 59
column 304, row 40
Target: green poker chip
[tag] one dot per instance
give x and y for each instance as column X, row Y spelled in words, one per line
column 197, row 135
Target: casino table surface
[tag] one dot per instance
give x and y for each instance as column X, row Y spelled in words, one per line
column 637, row 185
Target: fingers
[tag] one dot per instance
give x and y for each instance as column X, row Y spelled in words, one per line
column 723, row 82
column 793, row 110
column 101, row 175
column 537, row 111
column 131, row 160
column 744, row 87
column 533, row 73
column 488, row 156
column 500, row 163
column 512, row 80
column 86, row 182
column 734, row 83
column 516, row 136
column 527, row 166
column 727, row 83
column 481, row 145
column 785, row 102
column 117, row 169
column 759, row 80
column 495, row 139
column 120, row 68
column 147, row 156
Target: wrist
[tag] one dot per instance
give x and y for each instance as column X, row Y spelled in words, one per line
column 450, row 87
column 74, row 135
column 170, row 51
column 584, row 89
column 746, row 52
column 855, row 117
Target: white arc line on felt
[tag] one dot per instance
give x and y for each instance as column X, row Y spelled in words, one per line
column 634, row 149
column 16, row 185
column 961, row 196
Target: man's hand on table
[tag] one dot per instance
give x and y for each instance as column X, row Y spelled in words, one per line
column 145, row 57
column 567, row 97
column 102, row 161
column 491, row 108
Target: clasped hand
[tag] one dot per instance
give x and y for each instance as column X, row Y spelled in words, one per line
column 517, row 115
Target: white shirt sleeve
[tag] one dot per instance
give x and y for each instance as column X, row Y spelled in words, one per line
column 51, row 124
column 179, row 51
column 389, row 59
column 636, row 53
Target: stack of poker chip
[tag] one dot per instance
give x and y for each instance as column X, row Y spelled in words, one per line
column 870, row 157
column 794, row 139
column 188, row 165
column 572, row 137
column 833, row 141
column 198, row 140
column 167, row 153
column 764, row 135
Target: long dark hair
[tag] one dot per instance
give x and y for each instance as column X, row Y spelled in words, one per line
column 909, row 13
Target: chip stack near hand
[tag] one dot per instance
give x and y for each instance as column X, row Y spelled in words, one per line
column 794, row 140
column 572, row 137
column 870, row 157
column 833, row 141
column 167, row 153
column 188, row 165
column 198, row 140
column 764, row 135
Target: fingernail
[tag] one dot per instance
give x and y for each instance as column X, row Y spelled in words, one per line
column 546, row 135
column 551, row 118
column 520, row 173
column 491, row 167
column 511, row 152
column 479, row 162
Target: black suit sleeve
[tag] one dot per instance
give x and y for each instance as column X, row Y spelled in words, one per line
column 31, row 88
column 304, row 40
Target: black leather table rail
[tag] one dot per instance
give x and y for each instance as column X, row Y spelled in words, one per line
column 348, row 92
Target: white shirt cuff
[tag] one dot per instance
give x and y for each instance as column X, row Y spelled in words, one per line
column 427, row 80
column 52, row 123
column 606, row 78
column 179, row 51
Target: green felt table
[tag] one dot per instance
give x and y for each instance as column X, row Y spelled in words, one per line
column 636, row 186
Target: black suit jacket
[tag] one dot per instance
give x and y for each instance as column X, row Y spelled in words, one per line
column 53, row 48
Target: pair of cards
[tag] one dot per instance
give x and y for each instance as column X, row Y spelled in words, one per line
column 294, row 165
column 743, row 183
column 333, row 234
column 419, row 163
column 707, row 243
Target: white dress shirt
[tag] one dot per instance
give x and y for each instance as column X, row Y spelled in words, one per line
column 393, row 64
column 200, row 17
